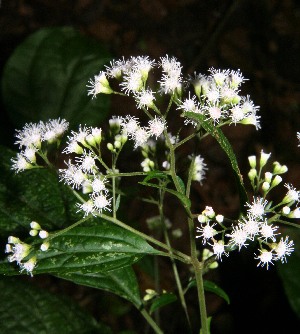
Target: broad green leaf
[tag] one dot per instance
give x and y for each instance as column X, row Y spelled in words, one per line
column 93, row 249
column 46, row 78
column 211, row 287
column 26, row 309
column 162, row 300
column 32, row 195
column 290, row 272
column 121, row 282
column 225, row 145
column 184, row 200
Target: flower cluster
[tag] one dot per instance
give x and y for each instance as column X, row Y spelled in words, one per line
column 31, row 139
column 216, row 96
column 23, row 253
column 260, row 223
column 85, row 174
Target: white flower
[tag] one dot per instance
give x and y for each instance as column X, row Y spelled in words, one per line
column 265, row 258
column 219, row 76
column 219, row 249
column 101, row 202
column 115, row 69
column 284, row 248
column 140, row 137
column 28, row 265
column 292, row 195
column 130, row 125
column 199, row 169
column 54, row 129
column 156, row 126
column 170, row 65
column 99, row 85
column 238, row 237
column 86, row 207
column 236, row 78
column 267, row 231
column 236, row 114
column 98, row 185
column 145, row 99
column 257, row 208
column 20, row 163
column 86, row 162
column 132, row 82
column 73, row 176
column 215, row 113
column 250, row 226
column 30, row 135
column 207, row 232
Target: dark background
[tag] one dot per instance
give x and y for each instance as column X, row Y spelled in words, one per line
column 262, row 39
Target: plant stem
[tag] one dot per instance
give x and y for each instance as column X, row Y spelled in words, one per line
column 198, row 268
column 176, row 254
column 151, row 322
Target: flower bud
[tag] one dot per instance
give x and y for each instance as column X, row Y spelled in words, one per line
column 252, row 174
column 110, row 147
column 44, row 246
column 252, row 161
column 286, row 210
column 265, row 186
column 35, row 226
column 277, row 179
column 43, row 234
column 268, row 177
column 278, row 168
column 264, row 157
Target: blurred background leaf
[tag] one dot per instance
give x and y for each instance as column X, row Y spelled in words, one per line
column 46, row 78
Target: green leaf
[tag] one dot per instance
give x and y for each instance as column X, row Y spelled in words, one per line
column 32, row 195
column 211, row 287
column 46, row 78
column 26, row 309
column 93, row 249
column 225, row 145
column 155, row 175
column 121, row 282
column 290, row 272
column 184, row 200
column 162, row 300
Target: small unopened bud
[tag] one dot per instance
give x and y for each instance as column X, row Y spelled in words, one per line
column 33, row 233
column 268, row 177
column 252, row 174
column 277, row 179
column 35, row 226
column 264, row 157
column 252, row 161
column 278, row 168
column 219, row 218
column 110, row 147
column 265, row 186
column 286, row 210
column 202, row 219
column 294, row 214
column 117, row 144
column 43, row 234
column 44, row 246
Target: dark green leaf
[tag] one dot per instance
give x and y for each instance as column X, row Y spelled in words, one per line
column 46, row 78
column 26, row 309
column 32, row 195
column 121, row 282
column 290, row 272
column 225, row 145
column 94, row 249
column 211, row 287
column 162, row 300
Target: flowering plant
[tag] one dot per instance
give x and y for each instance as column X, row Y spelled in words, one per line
column 99, row 247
